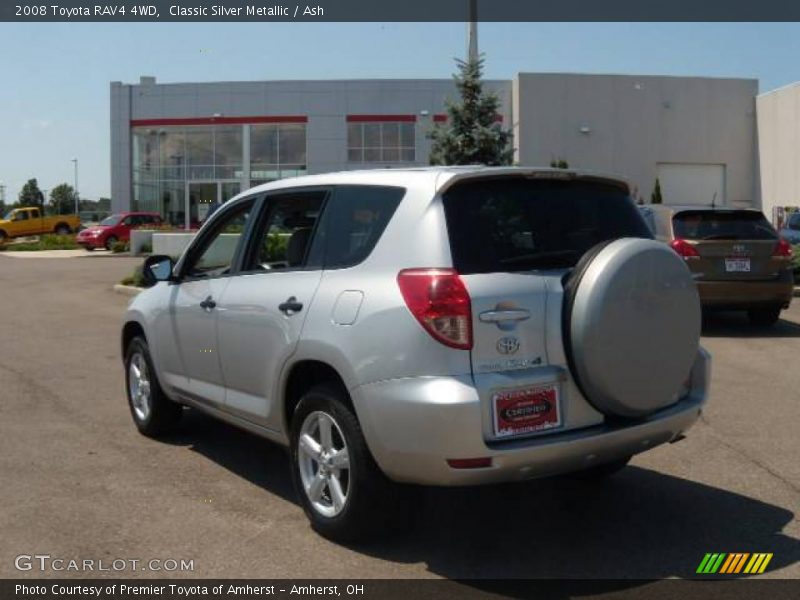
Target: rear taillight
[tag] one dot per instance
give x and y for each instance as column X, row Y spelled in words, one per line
column 439, row 300
column 684, row 249
column 783, row 249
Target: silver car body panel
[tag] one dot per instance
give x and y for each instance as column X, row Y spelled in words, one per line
column 419, row 401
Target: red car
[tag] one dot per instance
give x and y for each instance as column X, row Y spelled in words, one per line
column 116, row 228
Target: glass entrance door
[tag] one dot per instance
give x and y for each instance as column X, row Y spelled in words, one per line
column 204, row 197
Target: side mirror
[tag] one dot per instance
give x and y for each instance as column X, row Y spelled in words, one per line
column 157, row 268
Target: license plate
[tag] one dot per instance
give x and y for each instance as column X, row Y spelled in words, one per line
column 737, row 265
column 526, row 410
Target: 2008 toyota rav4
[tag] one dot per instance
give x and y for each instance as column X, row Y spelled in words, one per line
column 441, row 326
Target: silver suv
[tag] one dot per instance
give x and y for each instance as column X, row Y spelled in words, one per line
column 448, row 326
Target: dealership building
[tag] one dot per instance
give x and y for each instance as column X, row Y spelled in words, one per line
column 180, row 148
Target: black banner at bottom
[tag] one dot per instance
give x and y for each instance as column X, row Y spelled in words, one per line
column 384, row 589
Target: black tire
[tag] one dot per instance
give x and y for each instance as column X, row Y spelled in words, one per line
column 764, row 317
column 602, row 472
column 62, row 229
column 110, row 241
column 163, row 414
column 374, row 505
column 3, row 236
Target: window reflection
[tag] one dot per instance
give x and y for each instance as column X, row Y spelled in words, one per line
column 166, row 159
column 386, row 142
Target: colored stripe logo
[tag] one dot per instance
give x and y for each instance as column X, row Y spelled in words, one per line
column 734, row 563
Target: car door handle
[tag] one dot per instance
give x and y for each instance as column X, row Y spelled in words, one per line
column 291, row 306
column 498, row 316
column 208, row 304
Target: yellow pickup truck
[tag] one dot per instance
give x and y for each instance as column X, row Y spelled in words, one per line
column 21, row 222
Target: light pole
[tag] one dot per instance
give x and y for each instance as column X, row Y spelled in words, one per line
column 75, row 162
column 472, row 31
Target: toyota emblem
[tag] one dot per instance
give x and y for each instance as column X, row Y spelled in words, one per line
column 507, row 345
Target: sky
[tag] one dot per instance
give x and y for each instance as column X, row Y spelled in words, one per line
column 54, row 91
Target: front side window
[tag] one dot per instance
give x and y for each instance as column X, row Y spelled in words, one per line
column 216, row 251
column 381, row 142
column 283, row 238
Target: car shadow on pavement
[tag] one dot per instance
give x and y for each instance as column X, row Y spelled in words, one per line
column 245, row 454
column 736, row 325
column 639, row 524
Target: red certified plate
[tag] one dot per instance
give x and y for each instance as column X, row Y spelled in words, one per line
column 526, row 410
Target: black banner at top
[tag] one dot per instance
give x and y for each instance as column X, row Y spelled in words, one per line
column 188, row 11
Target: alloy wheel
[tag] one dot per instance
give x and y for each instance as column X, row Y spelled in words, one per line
column 324, row 463
column 139, row 386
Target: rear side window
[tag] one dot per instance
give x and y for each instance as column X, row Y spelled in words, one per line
column 518, row 224
column 722, row 225
column 354, row 221
column 649, row 218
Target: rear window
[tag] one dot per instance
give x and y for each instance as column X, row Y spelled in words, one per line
column 722, row 225
column 519, row 224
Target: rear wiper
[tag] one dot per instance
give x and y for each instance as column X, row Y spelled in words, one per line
column 720, row 236
column 539, row 257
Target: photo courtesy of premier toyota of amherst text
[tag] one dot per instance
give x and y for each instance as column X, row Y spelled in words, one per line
column 461, row 300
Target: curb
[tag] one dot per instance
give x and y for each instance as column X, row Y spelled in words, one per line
column 127, row 290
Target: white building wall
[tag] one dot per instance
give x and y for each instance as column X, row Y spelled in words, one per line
column 779, row 152
column 630, row 124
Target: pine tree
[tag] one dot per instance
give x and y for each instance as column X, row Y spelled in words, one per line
column 473, row 133
column 655, row 197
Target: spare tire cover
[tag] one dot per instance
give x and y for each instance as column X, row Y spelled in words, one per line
column 633, row 327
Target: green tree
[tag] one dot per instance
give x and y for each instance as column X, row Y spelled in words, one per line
column 655, row 197
column 2, row 208
column 62, row 199
column 30, row 194
column 473, row 133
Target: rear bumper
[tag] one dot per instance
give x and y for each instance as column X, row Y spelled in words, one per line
column 746, row 294
column 413, row 426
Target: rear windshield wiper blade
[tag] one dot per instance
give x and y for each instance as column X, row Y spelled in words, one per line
column 540, row 257
column 721, row 236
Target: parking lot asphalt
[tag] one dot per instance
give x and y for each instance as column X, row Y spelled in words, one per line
column 78, row 482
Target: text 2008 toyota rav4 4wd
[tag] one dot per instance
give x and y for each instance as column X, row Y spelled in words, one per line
column 444, row 326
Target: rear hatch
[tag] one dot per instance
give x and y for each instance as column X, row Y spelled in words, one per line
column 731, row 245
column 512, row 239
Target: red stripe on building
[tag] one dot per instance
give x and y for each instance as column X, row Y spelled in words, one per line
column 217, row 121
column 381, row 118
column 441, row 118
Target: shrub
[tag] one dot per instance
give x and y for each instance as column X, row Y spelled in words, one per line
column 119, row 247
column 146, row 248
column 276, row 244
column 796, row 263
column 45, row 242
